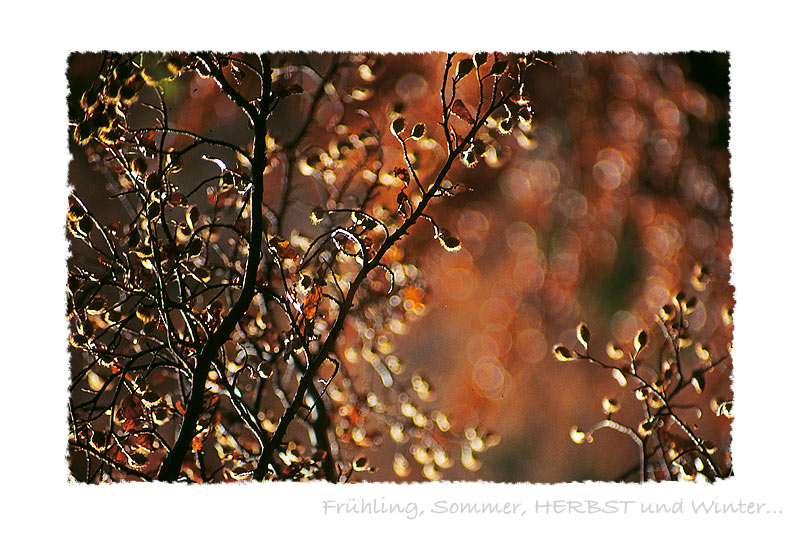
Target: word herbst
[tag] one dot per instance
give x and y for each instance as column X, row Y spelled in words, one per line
column 581, row 507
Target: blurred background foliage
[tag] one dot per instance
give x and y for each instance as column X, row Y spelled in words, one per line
column 600, row 213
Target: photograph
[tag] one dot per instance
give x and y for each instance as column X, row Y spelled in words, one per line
column 359, row 267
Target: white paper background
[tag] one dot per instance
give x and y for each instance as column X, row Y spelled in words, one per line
column 36, row 42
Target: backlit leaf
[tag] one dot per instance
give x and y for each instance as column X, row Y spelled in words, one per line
column 282, row 248
column 499, row 68
column 480, row 58
column 459, row 109
column 583, row 335
column 131, row 408
column 562, row 353
column 398, row 126
column 640, row 341
column 361, row 464
column 464, row 67
column 311, row 302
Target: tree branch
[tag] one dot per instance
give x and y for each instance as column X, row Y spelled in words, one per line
column 171, row 467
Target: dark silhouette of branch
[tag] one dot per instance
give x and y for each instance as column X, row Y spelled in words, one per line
column 170, row 469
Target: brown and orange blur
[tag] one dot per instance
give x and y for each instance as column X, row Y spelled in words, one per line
column 609, row 205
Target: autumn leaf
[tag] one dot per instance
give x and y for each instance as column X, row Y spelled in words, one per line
column 144, row 441
column 197, row 442
column 311, row 302
column 131, row 408
column 177, row 199
column 412, row 294
column 283, row 91
column 402, row 174
column 460, row 110
column 282, row 248
column 402, row 201
column 129, row 425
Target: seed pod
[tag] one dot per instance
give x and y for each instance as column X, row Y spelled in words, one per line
column 73, row 284
column 89, row 101
column 96, row 305
column 150, row 398
column 479, row 147
column 702, row 351
column 139, row 166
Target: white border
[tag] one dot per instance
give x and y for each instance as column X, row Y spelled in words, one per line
column 764, row 118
